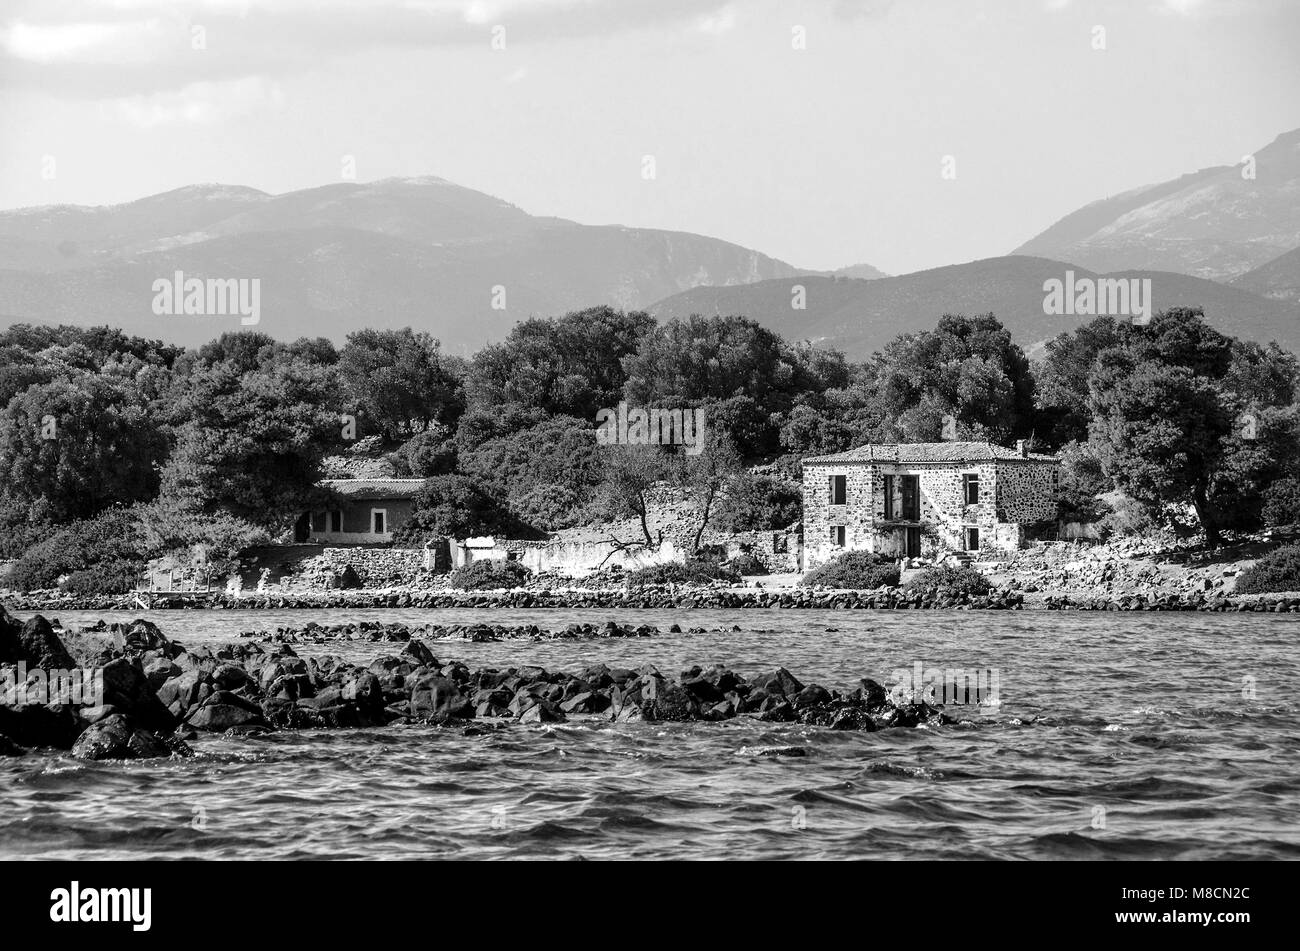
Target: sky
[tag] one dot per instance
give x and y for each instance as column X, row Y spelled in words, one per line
column 905, row 134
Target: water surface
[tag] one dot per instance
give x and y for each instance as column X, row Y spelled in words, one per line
column 1136, row 735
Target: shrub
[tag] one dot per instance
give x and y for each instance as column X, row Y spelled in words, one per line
column 760, row 503
column 117, row 576
column 112, row 537
column 1279, row 570
column 452, row 505
column 747, row 564
column 854, row 569
column 692, row 571
column 1282, row 502
column 486, row 575
column 956, row 579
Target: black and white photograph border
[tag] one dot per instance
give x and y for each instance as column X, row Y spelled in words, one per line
column 728, row 430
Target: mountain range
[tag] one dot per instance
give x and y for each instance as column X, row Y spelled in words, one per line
column 423, row 252
column 466, row 266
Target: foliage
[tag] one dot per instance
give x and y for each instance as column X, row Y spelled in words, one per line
column 854, row 569
column 570, row 366
column 399, row 381
column 1167, row 421
column 691, row 571
column 75, row 445
column 112, row 539
column 951, row 579
column 967, row 368
column 1279, row 570
column 489, row 575
column 1282, row 502
column 759, row 503
column 454, row 506
column 253, row 428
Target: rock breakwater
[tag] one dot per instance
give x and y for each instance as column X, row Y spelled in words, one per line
column 158, row 694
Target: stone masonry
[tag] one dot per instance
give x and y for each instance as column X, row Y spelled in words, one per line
column 1009, row 489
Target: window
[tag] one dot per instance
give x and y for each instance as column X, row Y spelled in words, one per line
column 972, row 539
column 889, row 497
column 839, row 489
column 318, row 521
column 837, row 536
column 378, row 519
column 971, row 488
column 336, row 521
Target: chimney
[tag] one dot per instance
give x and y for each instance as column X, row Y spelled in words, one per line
column 1022, row 449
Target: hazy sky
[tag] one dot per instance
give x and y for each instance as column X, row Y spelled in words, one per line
column 823, row 156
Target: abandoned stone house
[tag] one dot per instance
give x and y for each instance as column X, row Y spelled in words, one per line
column 366, row 512
column 914, row 499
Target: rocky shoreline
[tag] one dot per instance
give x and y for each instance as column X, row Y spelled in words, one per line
column 376, row 632
column 157, row 694
column 660, row 597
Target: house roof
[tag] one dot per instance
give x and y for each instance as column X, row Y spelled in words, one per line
column 375, row 488
column 938, row 452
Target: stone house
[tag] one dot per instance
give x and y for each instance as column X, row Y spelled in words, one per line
column 362, row 512
column 915, row 499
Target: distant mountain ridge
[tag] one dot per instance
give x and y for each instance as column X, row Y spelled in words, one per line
column 1216, row 223
column 424, row 252
column 859, row 316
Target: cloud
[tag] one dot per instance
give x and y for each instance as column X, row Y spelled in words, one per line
column 723, row 21
column 90, row 48
column 197, row 103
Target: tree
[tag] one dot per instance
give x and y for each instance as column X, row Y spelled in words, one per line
column 570, row 366
column 250, row 441
column 78, row 444
column 630, row 473
column 1180, row 414
column 452, row 506
column 399, row 381
column 709, row 475
column 739, row 369
column 967, row 368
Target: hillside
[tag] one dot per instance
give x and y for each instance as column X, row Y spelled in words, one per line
column 1213, row 223
column 860, row 316
column 423, row 252
column 1279, row 279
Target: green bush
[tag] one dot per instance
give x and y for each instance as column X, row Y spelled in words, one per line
column 955, row 579
column 747, row 564
column 854, row 569
column 1282, row 503
column 1279, row 570
column 117, row 576
column 112, row 538
column 692, row 571
column 487, row 575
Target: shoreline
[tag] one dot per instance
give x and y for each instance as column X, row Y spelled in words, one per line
column 707, row 598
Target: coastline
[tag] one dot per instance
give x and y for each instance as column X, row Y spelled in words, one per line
column 729, row 598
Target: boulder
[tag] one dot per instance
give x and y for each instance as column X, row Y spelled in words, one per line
column 37, row 725
column 437, row 698
column 220, row 717
column 33, row 641
column 120, row 737
column 127, row 688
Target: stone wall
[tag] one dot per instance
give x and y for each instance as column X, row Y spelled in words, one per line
column 375, row 567
column 1010, row 495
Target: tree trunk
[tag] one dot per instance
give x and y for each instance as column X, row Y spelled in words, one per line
column 1205, row 512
